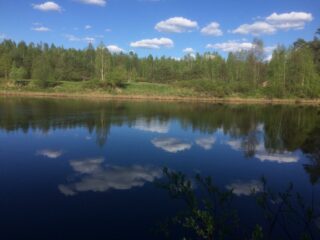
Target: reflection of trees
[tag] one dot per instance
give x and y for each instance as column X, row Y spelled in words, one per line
column 285, row 127
column 311, row 147
column 250, row 143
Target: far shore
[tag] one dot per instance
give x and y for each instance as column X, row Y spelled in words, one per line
column 108, row 96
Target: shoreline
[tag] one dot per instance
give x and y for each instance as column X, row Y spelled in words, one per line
column 108, row 96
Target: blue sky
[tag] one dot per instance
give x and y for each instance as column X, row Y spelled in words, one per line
column 160, row 27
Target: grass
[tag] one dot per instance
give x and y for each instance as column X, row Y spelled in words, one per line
column 133, row 88
column 141, row 90
column 155, row 89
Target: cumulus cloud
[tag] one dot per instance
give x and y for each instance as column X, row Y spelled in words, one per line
column 115, row 49
column 231, row 46
column 154, row 43
column 257, row 28
column 292, row 20
column 240, row 188
column 236, row 46
column 188, row 50
column 171, row 145
column 275, row 22
column 285, row 157
column 100, row 3
column 49, row 153
column 47, row 6
column 176, row 25
column 154, row 125
column 73, row 38
column 212, row 29
column 96, row 177
column 41, row 29
column 87, row 27
column 206, row 142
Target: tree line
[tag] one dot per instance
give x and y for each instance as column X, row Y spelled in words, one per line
column 292, row 71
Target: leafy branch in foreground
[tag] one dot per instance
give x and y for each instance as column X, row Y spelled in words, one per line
column 209, row 212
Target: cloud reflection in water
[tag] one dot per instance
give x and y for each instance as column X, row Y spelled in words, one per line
column 171, row 145
column 49, row 153
column 206, row 142
column 96, row 177
column 245, row 188
column 153, row 125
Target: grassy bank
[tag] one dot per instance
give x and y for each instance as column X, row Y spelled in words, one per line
column 137, row 91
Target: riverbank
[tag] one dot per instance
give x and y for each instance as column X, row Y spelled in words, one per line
column 92, row 95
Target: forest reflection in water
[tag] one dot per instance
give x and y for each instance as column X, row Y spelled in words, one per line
column 120, row 148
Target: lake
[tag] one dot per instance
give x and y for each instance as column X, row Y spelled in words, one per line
column 79, row 169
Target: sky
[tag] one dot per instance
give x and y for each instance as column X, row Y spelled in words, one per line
column 160, row 27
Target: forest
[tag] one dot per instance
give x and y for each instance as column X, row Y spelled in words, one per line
column 292, row 71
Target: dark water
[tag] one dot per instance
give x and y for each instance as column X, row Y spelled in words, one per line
column 74, row 169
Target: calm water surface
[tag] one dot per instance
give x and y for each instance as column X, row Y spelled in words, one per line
column 75, row 169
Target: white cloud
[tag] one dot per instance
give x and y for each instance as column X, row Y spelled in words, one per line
column 154, row 43
column 292, row 20
column 188, row 50
column 100, row 3
column 285, row 157
column 73, row 38
column 87, row 27
column 152, row 126
column 231, row 46
column 47, row 6
column 171, row 145
column 275, row 22
column 108, row 30
column 206, row 142
column 176, row 25
column 213, row 29
column 245, row 188
column 41, row 29
column 96, row 177
column 49, row 153
column 257, row 28
column 115, row 49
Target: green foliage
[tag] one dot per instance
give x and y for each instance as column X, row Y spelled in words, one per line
column 42, row 72
column 118, row 77
column 17, row 74
column 206, row 217
column 209, row 214
column 292, row 71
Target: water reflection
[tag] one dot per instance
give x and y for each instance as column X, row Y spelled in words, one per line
column 93, row 175
column 245, row 188
column 50, row 153
column 233, row 144
column 172, row 145
column 153, row 125
column 206, row 142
